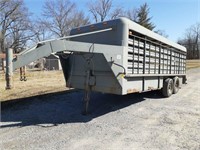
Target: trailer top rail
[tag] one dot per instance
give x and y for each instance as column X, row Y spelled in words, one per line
column 131, row 25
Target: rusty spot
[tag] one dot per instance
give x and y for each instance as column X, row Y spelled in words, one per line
column 132, row 91
column 151, row 88
column 79, row 29
column 130, row 33
column 92, row 27
column 104, row 23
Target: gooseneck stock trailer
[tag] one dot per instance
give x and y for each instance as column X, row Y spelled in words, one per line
column 116, row 56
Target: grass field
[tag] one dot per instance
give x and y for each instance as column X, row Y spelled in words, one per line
column 38, row 82
column 43, row 82
column 192, row 64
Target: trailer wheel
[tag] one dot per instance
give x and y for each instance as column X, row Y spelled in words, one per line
column 176, row 85
column 167, row 87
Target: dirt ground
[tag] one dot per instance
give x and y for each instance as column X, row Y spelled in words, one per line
column 137, row 121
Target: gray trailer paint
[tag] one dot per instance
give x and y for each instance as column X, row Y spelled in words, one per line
column 116, row 56
column 148, row 58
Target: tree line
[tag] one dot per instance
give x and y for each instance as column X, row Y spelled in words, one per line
column 191, row 41
column 18, row 28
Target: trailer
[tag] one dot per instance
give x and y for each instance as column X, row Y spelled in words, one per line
column 117, row 56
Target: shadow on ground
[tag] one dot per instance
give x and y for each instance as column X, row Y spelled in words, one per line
column 59, row 108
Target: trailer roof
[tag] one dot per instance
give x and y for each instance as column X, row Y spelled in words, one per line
column 132, row 26
column 144, row 31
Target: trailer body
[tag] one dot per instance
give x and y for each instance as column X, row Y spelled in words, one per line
column 116, row 56
column 140, row 61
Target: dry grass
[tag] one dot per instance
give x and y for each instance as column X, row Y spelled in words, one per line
column 192, row 63
column 39, row 82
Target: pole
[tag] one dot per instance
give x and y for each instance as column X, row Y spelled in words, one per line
column 9, row 68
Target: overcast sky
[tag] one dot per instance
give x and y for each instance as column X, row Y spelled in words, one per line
column 172, row 16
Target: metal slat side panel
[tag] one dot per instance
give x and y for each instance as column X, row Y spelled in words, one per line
column 146, row 56
column 135, row 55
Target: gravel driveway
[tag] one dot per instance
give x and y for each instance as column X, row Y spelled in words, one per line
column 136, row 121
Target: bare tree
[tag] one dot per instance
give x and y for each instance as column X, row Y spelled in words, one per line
column 132, row 14
column 19, row 34
column 191, row 41
column 14, row 23
column 13, row 15
column 3, row 4
column 57, row 14
column 162, row 33
column 117, row 12
column 79, row 19
column 40, row 31
column 104, row 9
column 100, row 9
column 61, row 15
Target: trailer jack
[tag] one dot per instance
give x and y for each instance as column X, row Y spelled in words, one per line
column 89, row 82
column 86, row 100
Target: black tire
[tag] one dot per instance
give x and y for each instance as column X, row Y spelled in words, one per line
column 176, row 85
column 167, row 89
